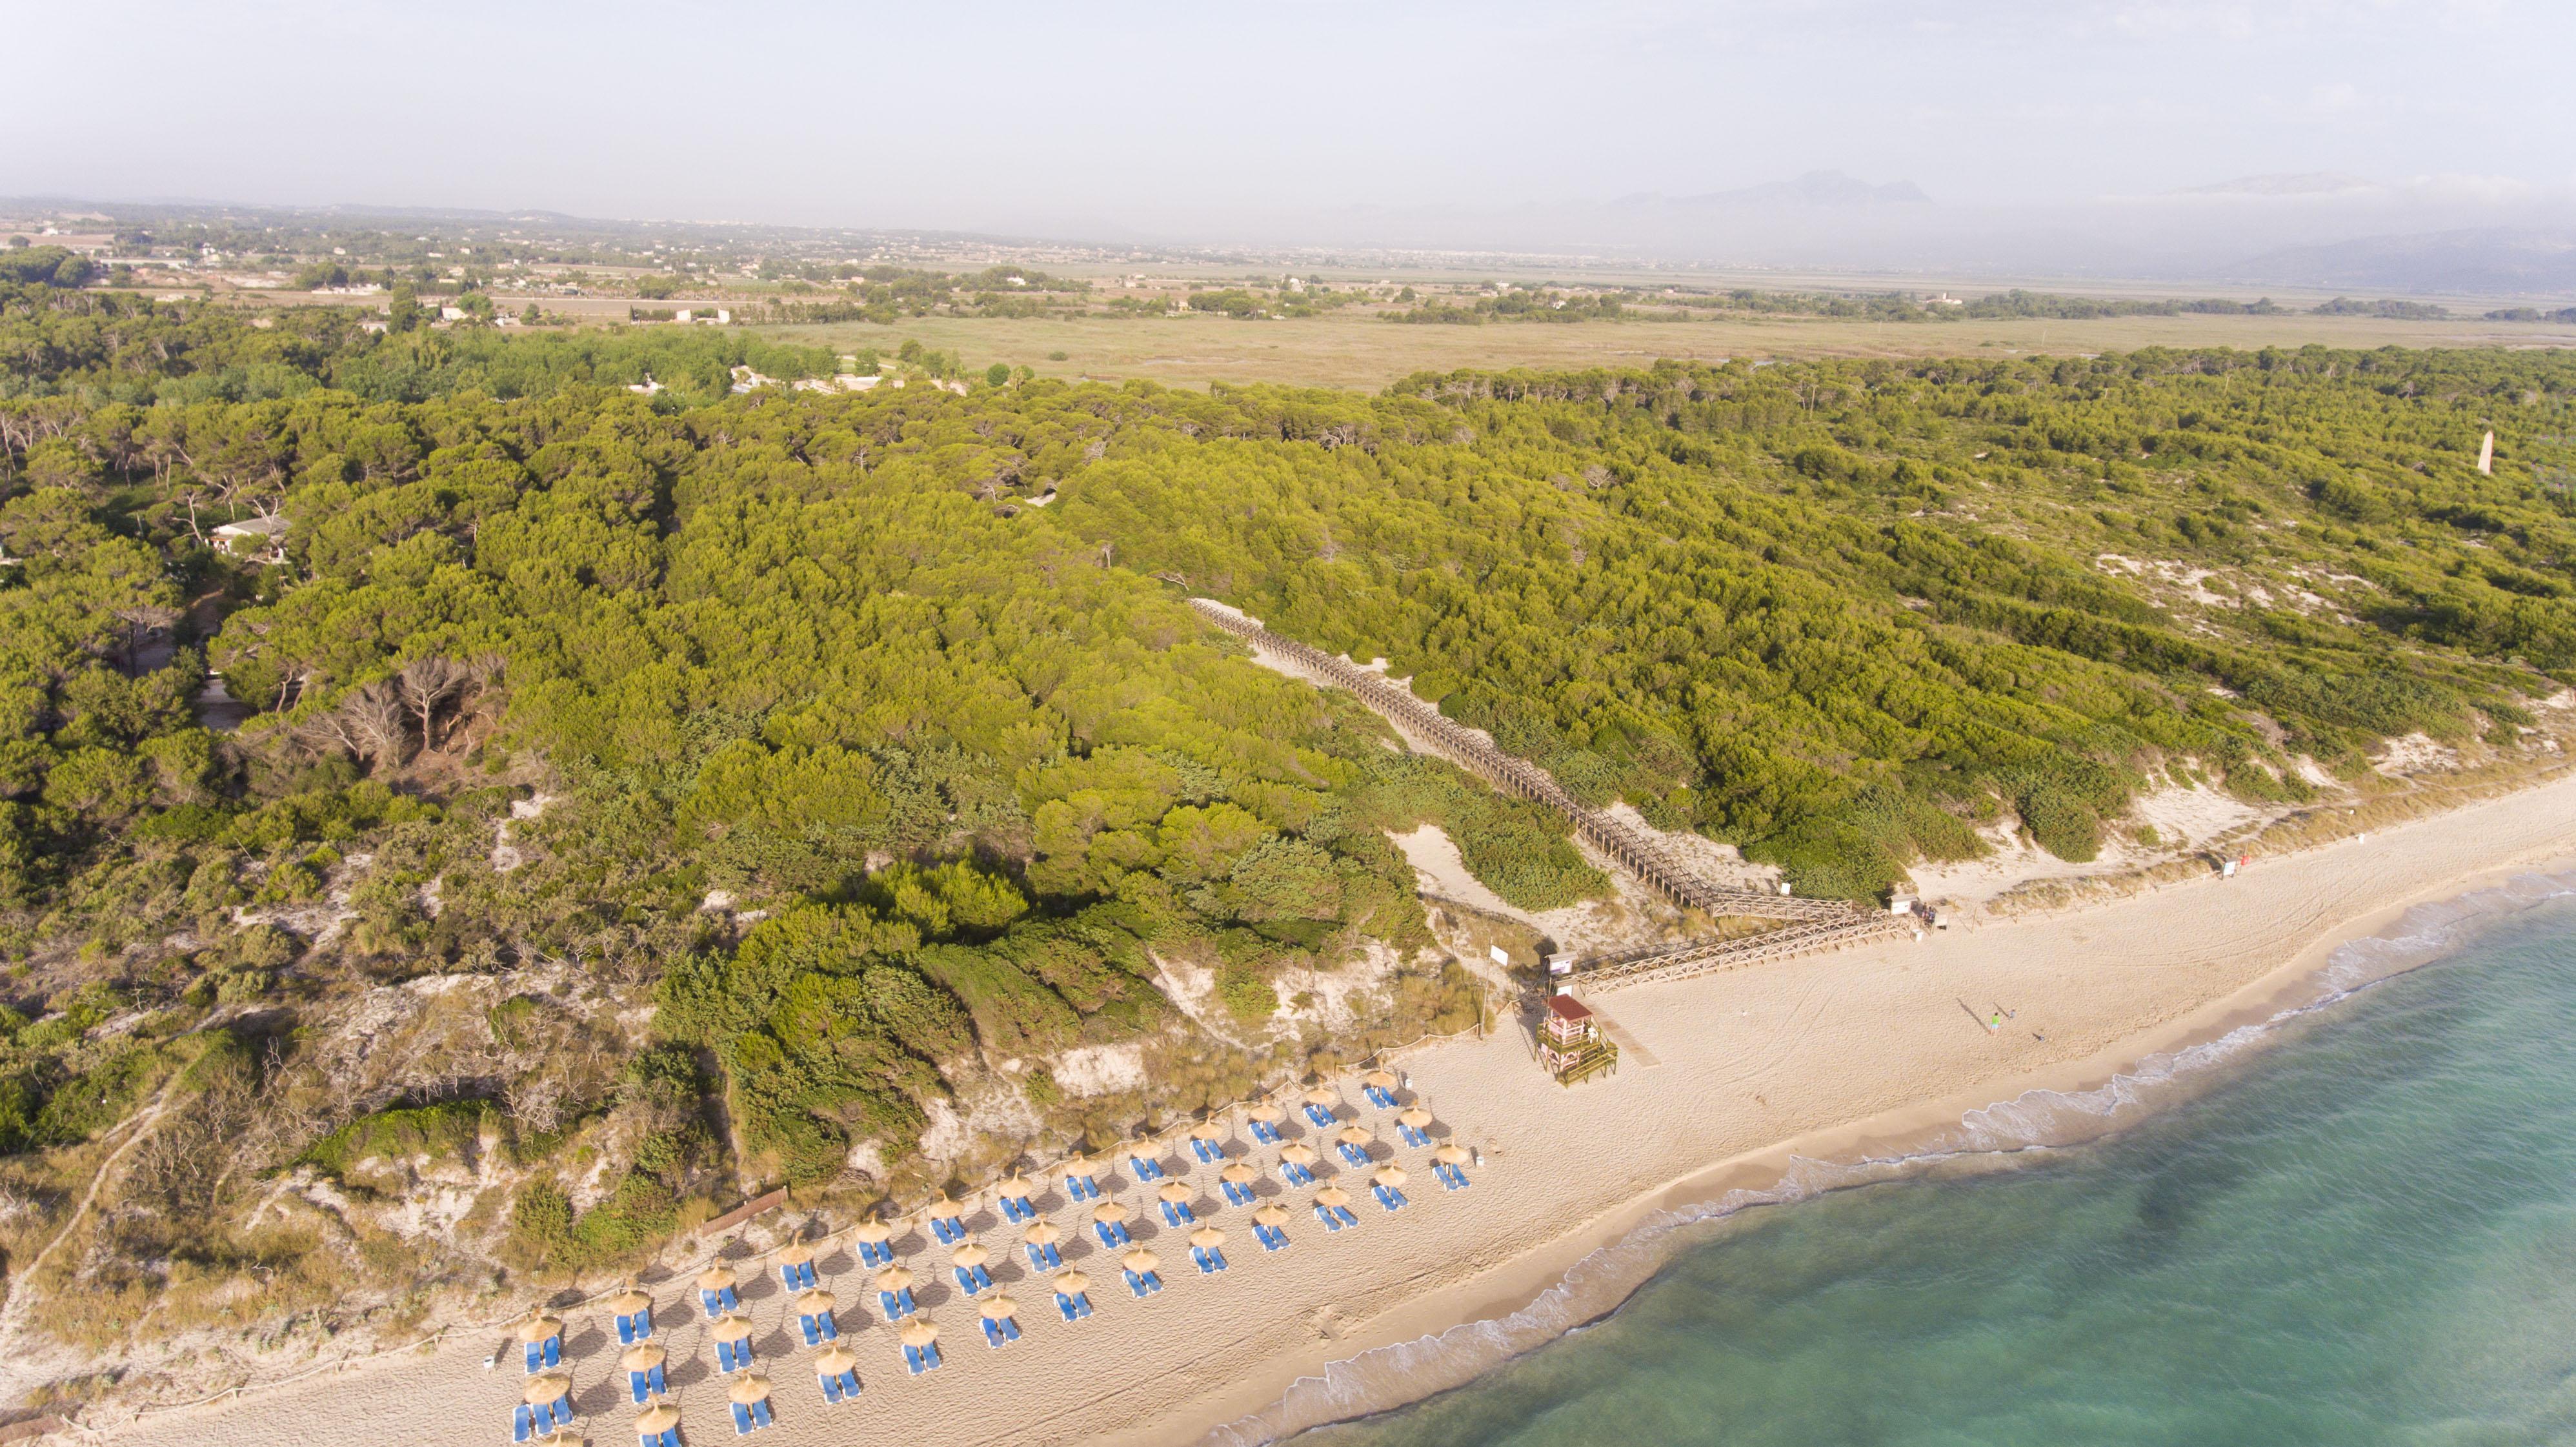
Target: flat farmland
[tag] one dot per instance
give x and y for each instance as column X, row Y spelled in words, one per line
column 1356, row 349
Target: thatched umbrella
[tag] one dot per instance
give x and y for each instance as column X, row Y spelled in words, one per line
column 1450, row 1155
column 1207, row 1238
column 918, row 1333
column 1379, row 1080
column 970, row 1256
column 893, row 1279
column 657, row 1419
column 1140, row 1260
column 1355, row 1135
column 875, row 1233
column 748, row 1390
column 716, row 1278
column 730, row 1327
column 1209, row 1131
column 814, row 1302
column 1272, row 1215
column 644, row 1356
column 834, row 1360
column 941, row 1209
column 1077, row 1164
column 540, row 1328
column 629, row 1301
column 1043, row 1234
column 794, row 1253
column 1013, row 1186
column 1072, row 1283
column 1325, row 1096
column 547, row 1389
column 1415, row 1118
column 1332, row 1196
column 1391, row 1177
column 1296, row 1153
column 1110, row 1213
column 1174, row 1194
column 1238, row 1174
column 1000, row 1308
column 1267, row 1114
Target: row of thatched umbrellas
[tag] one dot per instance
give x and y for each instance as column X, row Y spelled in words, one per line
column 547, row 1415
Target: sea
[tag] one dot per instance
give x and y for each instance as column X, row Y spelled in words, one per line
column 2351, row 1223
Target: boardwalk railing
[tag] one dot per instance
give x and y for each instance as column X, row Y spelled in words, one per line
column 1644, row 857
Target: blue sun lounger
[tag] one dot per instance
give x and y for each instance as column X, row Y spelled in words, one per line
column 1082, row 1188
column 647, row 1384
column 667, row 1437
column 917, row 1360
column 1295, row 1174
column 1178, row 1213
column 1411, row 1136
column 1271, row 1237
column 1074, row 1304
column 1016, row 1209
column 634, row 1326
column 839, row 1386
column 1450, row 1176
column 750, row 1419
column 1210, row 1259
column 1264, row 1132
column 1145, row 1169
column 1335, row 1217
column 1208, row 1152
column 875, row 1254
column 718, row 1301
column 818, row 1327
column 797, row 1275
column 1357, row 1157
column 1043, row 1256
column 1383, row 1100
column 523, row 1423
column 1322, row 1118
column 997, row 1333
column 544, row 1354
column 1143, row 1283
column 1389, row 1197
column 950, row 1229
column 1235, row 1195
column 733, row 1356
column 972, row 1279
column 1111, row 1234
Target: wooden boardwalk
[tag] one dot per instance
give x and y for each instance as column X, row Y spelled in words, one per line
column 1809, row 924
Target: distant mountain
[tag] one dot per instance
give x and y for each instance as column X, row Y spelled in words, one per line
column 1816, row 188
column 2302, row 183
column 2490, row 260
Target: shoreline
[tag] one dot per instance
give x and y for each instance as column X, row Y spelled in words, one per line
column 1769, row 1076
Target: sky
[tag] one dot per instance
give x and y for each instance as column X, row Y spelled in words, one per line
column 1232, row 122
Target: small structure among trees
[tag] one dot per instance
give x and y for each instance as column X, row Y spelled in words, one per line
column 1571, row 1044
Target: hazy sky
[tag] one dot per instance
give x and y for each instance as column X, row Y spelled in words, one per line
column 1211, row 118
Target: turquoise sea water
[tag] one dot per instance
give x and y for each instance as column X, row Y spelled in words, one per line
column 2363, row 1233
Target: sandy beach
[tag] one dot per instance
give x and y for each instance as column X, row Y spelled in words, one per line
column 1826, row 1058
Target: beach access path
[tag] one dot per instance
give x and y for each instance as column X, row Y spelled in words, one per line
column 1822, row 1057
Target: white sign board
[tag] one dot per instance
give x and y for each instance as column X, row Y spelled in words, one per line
column 1501, row 956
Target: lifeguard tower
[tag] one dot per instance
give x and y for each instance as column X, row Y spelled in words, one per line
column 1571, row 1044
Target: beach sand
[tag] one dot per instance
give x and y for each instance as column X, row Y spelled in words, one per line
column 1827, row 1057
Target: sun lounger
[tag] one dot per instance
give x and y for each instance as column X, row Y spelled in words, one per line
column 797, row 1275
column 718, row 1302
column 1271, row 1237
column 1208, row 1152
column 750, row 1419
column 1043, row 1257
column 1379, row 1098
column 1266, row 1133
column 1144, row 1283
column 1235, row 1195
column 1074, row 1304
column 1411, row 1136
column 1389, row 1197
column 1146, row 1170
column 1111, row 1234
column 818, row 1328
column 1178, row 1213
column 897, row 1304
column 1357, row 1157
column 1295, row 1174
column 873, row 1254
column 1325, row 1214
column 634, row 1326
column 1210, row 1259
column 1450, row 1176
column 733, row 1356
column 1320, row 1117
column 1082, row 1188
column 536, row 1354
column 917, row 1360
column 523, row 1423
column 949, row 1229
column 1017, row 1210
column 647, row 1384
column 838, row 1386
column 668, row 1437
column 971, row 1279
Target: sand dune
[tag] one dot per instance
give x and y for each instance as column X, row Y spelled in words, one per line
column 1810, row 1057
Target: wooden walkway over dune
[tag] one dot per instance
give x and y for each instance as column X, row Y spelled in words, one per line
column 1810, row 924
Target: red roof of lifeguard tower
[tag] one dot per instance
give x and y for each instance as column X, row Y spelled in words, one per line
column 1566, row 1007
